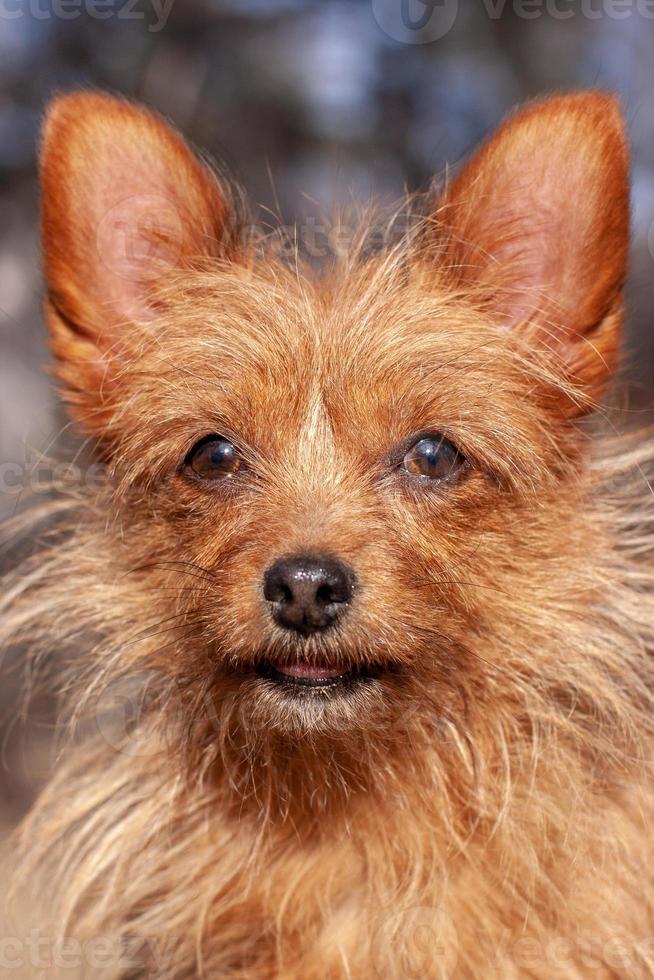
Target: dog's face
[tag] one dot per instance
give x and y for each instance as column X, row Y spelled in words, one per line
column 342, row 497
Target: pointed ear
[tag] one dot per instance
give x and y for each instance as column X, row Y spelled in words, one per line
column 539, row 222
column 124, row 203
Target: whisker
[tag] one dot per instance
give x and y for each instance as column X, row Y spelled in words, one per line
column 473, row 585
column 174, row 563
column 169, row 629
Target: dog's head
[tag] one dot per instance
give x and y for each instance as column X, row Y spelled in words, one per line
column 345, row 504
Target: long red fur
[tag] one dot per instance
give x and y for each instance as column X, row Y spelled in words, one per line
column 481, row 809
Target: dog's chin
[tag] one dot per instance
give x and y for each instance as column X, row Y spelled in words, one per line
column 302, row 696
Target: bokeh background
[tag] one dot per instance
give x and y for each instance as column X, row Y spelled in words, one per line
column 311, row 103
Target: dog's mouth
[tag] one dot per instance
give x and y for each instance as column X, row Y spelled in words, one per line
column 303, row 673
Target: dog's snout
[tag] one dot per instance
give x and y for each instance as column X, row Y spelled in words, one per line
column 308, row 594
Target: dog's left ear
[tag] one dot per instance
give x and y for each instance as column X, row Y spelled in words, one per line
column 538, row 222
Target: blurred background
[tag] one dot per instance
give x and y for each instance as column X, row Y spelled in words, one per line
column 311, row 103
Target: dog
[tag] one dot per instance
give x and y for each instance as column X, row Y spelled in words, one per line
column 367, row 556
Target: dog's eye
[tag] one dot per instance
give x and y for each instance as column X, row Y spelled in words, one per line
column 213, row 458
column 433, row 458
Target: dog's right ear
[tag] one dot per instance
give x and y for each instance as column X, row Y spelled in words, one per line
column 125, row 203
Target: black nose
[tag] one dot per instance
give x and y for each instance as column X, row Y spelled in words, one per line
column 307, row 594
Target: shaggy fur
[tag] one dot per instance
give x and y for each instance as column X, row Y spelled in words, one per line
column 482, row 806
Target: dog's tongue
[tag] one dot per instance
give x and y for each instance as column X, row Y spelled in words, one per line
column 307, row 671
